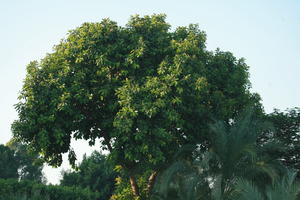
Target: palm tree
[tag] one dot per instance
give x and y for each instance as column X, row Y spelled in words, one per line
column 236, row 154
column 233, row 153
column 287, row 188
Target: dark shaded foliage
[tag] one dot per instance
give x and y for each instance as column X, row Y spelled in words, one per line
column 17, row 161
column 234, row 155
column 9, row 163
column 10, row 188
column 95, row 172
column 287, row 132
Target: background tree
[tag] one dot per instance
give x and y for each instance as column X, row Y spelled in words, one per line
column 19, row 162
column 31, row 164
column 9, row 163
column 287, row 131
column 144, row 89
column 95, row 173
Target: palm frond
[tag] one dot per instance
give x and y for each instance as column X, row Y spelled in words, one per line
column 287, row 188
column 246, row 190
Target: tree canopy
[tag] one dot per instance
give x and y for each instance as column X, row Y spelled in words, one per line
column 144, row 89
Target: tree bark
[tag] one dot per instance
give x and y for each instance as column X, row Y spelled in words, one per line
column 134, row 186
column 151, row 181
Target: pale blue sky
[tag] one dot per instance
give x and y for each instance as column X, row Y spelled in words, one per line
column 264, row 32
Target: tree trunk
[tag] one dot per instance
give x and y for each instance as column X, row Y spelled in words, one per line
column 151, row 182
column 134, row 186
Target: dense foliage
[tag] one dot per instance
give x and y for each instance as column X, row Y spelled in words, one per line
column 147, row 91
column 287, row 131
column 95, row 173
column 9, row 164
column 143, row 89
column 11, row 189
column 19, row 162
column 237, row 167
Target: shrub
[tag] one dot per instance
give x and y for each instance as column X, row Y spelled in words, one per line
column 11, row 189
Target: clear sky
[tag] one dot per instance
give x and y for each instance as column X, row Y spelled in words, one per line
column 264, row 32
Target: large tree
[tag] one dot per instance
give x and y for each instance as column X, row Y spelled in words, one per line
column 144, row 89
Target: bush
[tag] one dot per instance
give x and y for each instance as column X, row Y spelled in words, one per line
column 12, row 189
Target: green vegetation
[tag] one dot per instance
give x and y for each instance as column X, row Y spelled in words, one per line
column 235, row 167
column 157, row 99
column 95, row 173
column 19, row 162
column 11, row 189
column 286, row 130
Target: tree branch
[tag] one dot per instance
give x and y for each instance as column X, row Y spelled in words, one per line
column 151, row 181
column 134, row 187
